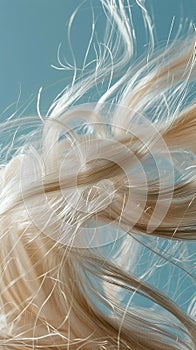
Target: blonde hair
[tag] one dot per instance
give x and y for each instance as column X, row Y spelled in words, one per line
column 98, row 200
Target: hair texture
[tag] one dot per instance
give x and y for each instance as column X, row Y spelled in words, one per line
column 97, row 208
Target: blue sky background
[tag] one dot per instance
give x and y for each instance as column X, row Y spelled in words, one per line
column 30, row 33
column 31, row 30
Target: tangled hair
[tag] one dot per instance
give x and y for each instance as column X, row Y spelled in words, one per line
column 98, row 210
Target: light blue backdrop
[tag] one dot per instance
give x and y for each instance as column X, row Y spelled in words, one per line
column 31, row 30
column 30, row 33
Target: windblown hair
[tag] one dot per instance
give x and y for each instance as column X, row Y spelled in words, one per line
column 97, row 208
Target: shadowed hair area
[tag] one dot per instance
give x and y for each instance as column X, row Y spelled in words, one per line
column 97, row 200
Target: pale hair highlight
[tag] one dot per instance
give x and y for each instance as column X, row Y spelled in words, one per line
column 107, row 172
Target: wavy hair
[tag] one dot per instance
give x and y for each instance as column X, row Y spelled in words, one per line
column 97, row 203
